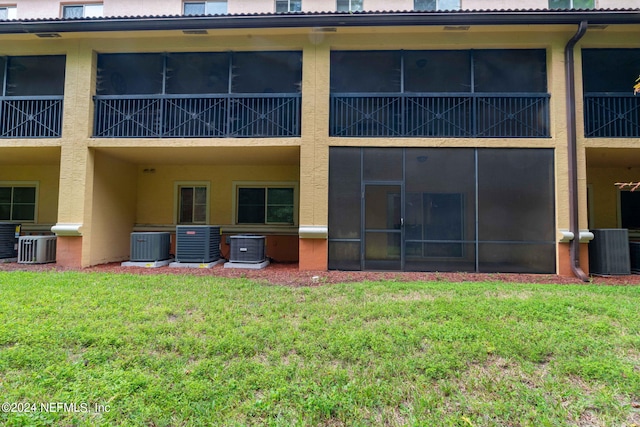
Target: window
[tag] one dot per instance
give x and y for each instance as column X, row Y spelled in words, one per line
column 193, row 202
column 216, row 7
column 8, row 12
column 90, row 10
column 272, row 203
column 572, row 4
column 288, row 5
column 429, row 5
column 18, row 202
column 349, row 5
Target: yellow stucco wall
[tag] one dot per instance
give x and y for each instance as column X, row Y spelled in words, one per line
column 604, row 202
column 157, row 195
column 47, row 178
column 113, row 210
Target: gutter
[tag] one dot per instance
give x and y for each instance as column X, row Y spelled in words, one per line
column 321, row 20
column 572, row 144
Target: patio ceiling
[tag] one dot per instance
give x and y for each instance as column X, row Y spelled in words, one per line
column 613, row 157
column 206, row 155
column 29, row 155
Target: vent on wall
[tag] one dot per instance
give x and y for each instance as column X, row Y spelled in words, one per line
column 36, row 249
column 9, row 240
column 609, row 252
column 197, row 243
column 150, row 246
column 247, row 248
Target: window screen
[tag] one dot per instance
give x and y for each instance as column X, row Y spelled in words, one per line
column 437, row 71
column 610, row 70
column 371, row 71
column 267, row 72
column 35, row 75
column 196, row 73
column 425, row 5
column 3, row 66
column 130, row 74
column 510, row 70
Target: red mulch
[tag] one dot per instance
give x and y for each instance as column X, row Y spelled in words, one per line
column 289, row 275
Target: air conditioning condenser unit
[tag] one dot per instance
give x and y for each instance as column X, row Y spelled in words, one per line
column 36, row 249
column 9, row 234
column 247, row 248
column 150, row 246
column 197, row 243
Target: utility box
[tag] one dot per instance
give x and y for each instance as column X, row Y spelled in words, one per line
column 36, row 249
column 609, row 252
column 634, row 254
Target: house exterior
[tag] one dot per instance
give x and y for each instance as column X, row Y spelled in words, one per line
column 470, row 135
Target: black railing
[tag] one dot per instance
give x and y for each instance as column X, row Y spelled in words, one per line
column 30, row 116
column 611, row 115
column 513, row 115
column 198, row 116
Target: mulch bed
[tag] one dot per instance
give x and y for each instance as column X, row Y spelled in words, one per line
column 289, row 275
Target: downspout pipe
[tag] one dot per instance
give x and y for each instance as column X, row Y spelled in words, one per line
column 572, row 148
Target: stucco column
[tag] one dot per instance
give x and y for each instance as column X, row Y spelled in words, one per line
column 76, row 161
column 314, row 155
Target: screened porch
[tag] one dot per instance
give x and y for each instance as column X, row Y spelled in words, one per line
column 31, row 96
column 212, row 95
column 463, row 93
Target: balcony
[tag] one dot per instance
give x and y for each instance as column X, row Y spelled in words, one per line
column 30, row 116
column 197, row 116
column 611, row 115
column 459, row 115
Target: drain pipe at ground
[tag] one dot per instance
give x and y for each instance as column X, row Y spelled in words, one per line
column 569, row 68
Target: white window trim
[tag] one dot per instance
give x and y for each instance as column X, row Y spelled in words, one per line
column 176, row 197
column 351, row 5
column 595, row 4
column 264, row 184
column 35, row 184
column 206, row 4
column 12, row 11
column 84, row 9
column 288, row 4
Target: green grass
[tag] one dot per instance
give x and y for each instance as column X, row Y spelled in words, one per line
column 181, row 350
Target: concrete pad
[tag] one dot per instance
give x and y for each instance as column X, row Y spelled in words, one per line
column 195, row 264
column 147, row 264
column 250, row 266
column 8, row 260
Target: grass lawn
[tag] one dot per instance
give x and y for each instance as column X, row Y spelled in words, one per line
column 183, row 350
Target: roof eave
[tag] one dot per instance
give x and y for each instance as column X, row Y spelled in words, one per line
column 311, row 20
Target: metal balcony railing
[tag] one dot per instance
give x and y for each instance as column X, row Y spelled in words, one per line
column 197, row 116
column 611, row 115
column 513, row 115
column 30, row 116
